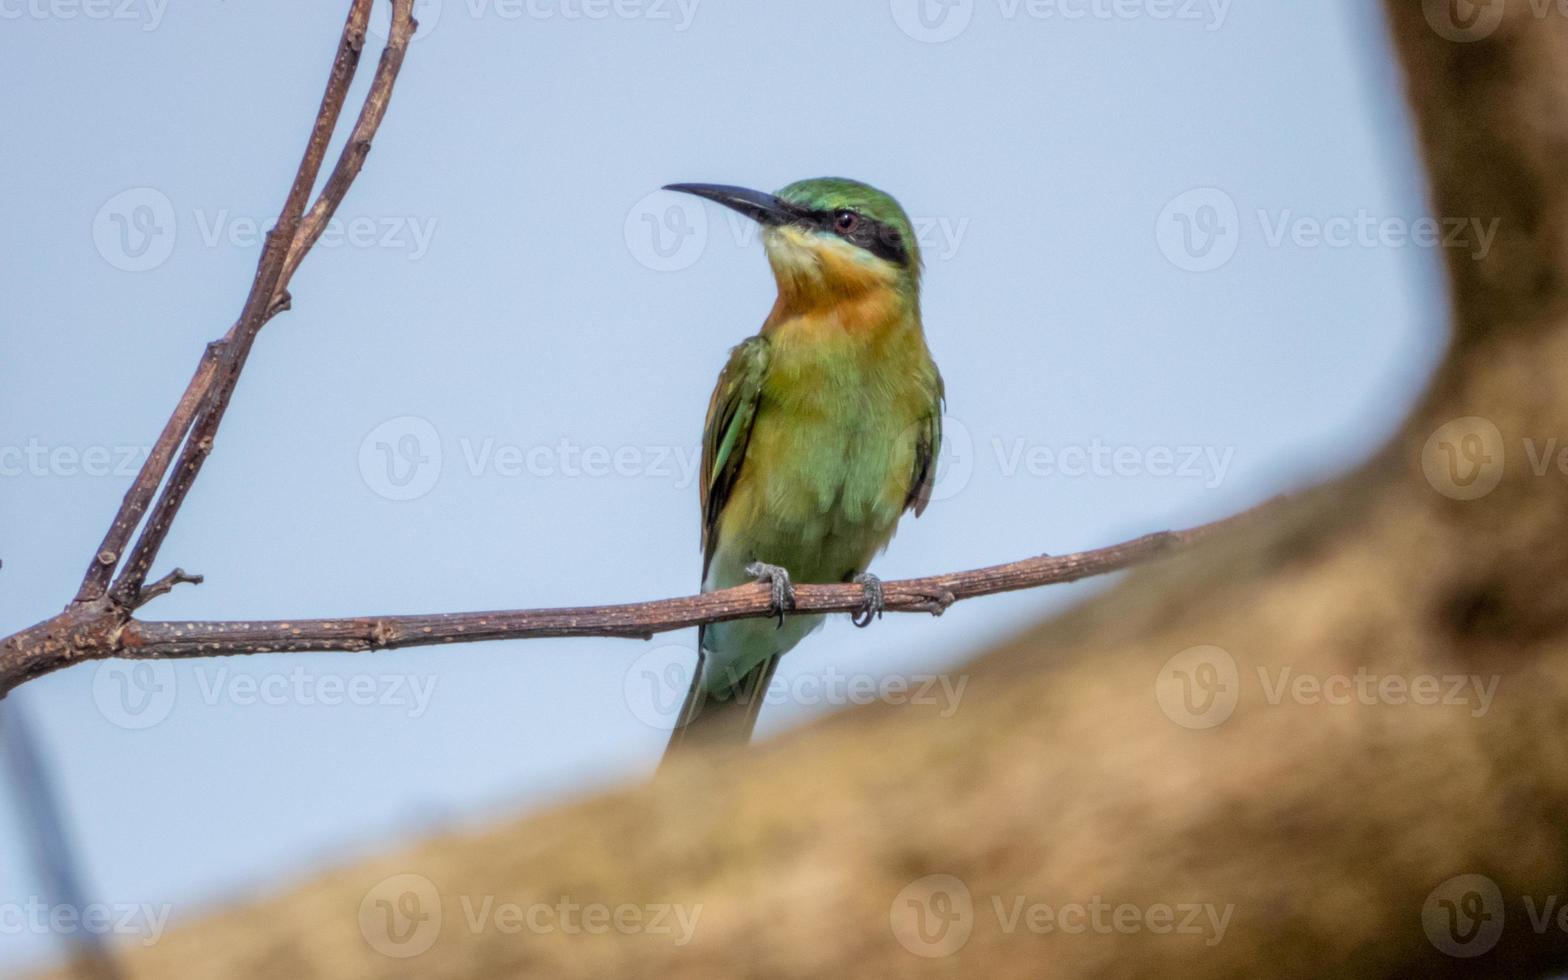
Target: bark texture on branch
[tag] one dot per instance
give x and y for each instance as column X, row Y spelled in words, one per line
column 1078, row 769
column 93, row 624
column 930, row 594
column 98, row 623
column 102, row 629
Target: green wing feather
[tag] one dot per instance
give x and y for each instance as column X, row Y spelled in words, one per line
column 731, row 414
column 726, row 433
column 928, row 446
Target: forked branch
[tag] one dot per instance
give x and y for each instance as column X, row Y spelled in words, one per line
column 194, row 424
column 99, row 622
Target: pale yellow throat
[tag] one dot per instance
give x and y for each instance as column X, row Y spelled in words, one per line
column 815, row 270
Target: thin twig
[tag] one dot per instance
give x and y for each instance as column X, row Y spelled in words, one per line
column 92, row 624
column 352, row 157
column 219, row 356
column 201, row 410
column 166, row 584
column 142, row 489
column 259, row 305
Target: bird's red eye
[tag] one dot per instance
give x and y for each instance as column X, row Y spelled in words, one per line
column 845, row 222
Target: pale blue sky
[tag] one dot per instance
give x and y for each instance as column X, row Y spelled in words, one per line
column 497, row 306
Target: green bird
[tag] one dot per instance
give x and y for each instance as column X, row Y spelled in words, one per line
column 824, row 428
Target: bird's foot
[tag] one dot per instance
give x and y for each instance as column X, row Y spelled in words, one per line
column 875, row 600
column 777, row 577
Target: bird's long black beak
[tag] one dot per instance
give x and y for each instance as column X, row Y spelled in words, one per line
column 765, row 209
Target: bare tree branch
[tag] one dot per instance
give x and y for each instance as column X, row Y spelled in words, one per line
column 92, row 623
column 200, row 410
column 72, row 637
column 99, row 624
column 292, row 235
column 931, row 594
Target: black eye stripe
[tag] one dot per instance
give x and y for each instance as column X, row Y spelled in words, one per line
column 877, row 237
